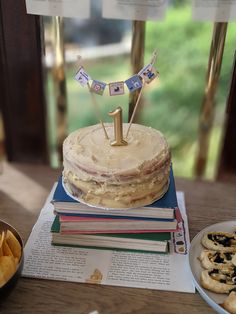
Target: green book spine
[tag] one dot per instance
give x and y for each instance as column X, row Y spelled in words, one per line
column 55, row 225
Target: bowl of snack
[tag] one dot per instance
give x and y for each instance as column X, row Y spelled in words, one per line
column 11, row 258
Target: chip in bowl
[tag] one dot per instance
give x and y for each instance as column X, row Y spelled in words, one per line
column 11, row 257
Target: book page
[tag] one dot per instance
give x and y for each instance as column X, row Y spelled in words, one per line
column 66, row 8
column 142, row 10
column 141, row 270
column 214, row 10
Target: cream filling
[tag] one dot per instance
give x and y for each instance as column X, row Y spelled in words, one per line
column 116, row 200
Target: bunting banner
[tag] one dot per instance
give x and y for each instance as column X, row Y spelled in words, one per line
column 116, row 88
column 146, row 75
column 134, row 83
column 82, row 77
column 98, row 87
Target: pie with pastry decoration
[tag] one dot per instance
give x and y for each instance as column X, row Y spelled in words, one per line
column 219, row 281
column 220, row 241
column 229, row 303
column 217, row 260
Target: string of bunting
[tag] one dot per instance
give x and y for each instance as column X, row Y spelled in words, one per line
column 135, row 82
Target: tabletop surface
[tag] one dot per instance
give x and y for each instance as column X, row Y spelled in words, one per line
column 23, row 190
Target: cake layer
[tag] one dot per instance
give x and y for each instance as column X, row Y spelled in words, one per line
column 116, row 176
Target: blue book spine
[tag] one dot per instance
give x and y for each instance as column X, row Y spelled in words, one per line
column 116, row 217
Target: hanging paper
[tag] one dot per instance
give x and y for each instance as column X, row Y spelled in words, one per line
column 142, row 10
column 148, row 73
column 65, row 8
column 82, row 77
column 214, row 10
column 137, row 81
column 98, row 87
column 116, row 88
column 134, row 83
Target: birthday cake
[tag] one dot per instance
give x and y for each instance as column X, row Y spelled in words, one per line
column 107, row 176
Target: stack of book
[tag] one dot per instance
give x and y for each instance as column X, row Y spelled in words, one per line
column 146, row 228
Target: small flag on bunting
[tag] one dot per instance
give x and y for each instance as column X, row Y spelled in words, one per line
column 98, row 87
column 148, row 73
column 116, row 88
column 82, row 77
column 134, row 83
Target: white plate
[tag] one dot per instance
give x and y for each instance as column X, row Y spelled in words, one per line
column 213, row 299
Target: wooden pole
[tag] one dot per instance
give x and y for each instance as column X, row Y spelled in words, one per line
column 208, row 104
column 137, row 58
column 227, row 162
column 59, row 82
column 22, row 104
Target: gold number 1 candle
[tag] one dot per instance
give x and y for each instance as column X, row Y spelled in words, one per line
column 118, row 127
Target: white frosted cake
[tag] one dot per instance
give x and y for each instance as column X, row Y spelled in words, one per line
column 116, row 176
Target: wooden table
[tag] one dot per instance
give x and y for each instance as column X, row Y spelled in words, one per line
column 23, row 190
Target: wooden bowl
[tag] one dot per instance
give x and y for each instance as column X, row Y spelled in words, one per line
column 9, row 285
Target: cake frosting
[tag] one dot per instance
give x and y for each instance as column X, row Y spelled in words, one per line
column 116, row 176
